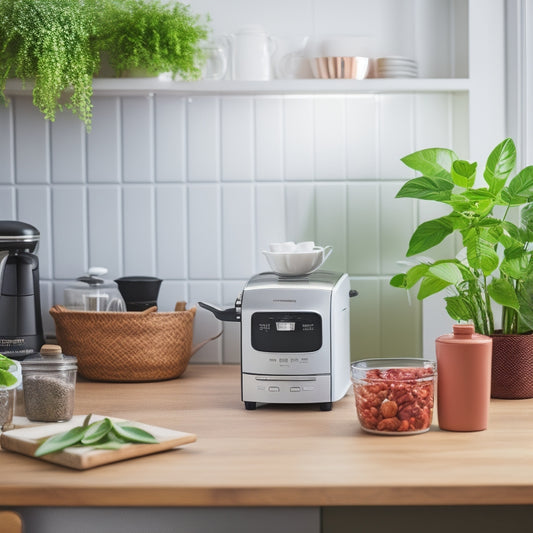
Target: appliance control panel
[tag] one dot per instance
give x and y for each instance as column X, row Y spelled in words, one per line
column 286, row 332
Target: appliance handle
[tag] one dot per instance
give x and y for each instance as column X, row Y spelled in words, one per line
column 3, row 261
column 352, row 293
column 226, row 315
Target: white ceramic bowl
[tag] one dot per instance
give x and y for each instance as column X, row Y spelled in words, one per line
column 297, row 263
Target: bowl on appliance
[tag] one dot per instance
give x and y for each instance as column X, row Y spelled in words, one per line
column 299, row 261
column 295, row 338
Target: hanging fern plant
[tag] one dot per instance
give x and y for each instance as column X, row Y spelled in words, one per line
column 51, row 43
column 154, row 37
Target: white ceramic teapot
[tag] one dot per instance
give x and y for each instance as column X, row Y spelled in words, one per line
column 252, row 49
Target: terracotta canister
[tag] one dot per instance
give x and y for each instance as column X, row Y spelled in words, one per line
column 464, row 361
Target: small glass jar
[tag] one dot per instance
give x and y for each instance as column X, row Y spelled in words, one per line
column 7, row 399
column 49, row 384
column 394, row 396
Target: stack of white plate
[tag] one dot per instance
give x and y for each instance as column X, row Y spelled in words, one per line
column 396, row 67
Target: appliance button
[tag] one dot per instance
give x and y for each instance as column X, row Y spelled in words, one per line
column 273, row 360
column 273, row 389
column 307, row 387
column 283, row 360
column 295, row 389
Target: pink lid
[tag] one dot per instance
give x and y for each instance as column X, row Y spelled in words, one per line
column 464, row 330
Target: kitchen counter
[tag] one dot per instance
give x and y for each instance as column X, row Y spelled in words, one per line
column 278, row 455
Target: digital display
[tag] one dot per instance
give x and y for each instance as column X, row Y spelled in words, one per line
column 285, row 326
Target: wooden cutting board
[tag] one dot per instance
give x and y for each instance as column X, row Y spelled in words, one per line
column 27, row 440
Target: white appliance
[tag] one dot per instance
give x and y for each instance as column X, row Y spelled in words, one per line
column 295, row 338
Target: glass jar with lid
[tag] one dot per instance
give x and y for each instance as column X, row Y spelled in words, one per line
column 49, row 384
column 94, row 293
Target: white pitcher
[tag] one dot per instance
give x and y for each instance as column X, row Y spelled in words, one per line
column 252, row 49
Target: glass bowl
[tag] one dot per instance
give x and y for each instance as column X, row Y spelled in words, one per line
column 394, row 396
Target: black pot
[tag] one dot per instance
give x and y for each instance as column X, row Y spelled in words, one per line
column 139, row 292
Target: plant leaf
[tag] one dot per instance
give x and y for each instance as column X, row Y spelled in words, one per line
column 459, row 307
column 398, row 281
column 61, row 441
column 97, row 431
column 480, row 251
column 134, row 434
column 424, row 188
column 7, row 378
column 429, row 234
column 522, row 183
column 500, row 163
column 526, row 216
column 431, row 285
column 503, row 293
column 448, row 272
column 432, row 162
column 464, row 173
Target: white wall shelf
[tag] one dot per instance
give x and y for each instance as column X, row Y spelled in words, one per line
column 127, row 86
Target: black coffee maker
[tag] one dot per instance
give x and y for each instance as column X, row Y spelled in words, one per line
column 21, row 328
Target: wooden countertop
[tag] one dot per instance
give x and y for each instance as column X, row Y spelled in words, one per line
column 278, row 455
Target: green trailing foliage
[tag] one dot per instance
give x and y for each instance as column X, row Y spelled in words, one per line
column 152, row 36
column 57, row 45
column 50, row 42
column 496, row 264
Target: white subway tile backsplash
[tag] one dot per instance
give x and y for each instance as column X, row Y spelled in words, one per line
column 361, row 137
column 191, row 189
column 67, row 149
column 138, row 228
column 105, row 228
column 205, row 324
column 238, row 243
column 269, row 219
column 268, row 139
column 436, row 131
column 204, row 232
column 396, row 134
column 69, row 231
column 171, row 231
column 103, row 142
column 332, row 223
column 170, row 138
column 33, row 206
column 203, row 146
column 6, row 145
column 32, row 155
column 7, row 202
column 300, row 212
column 363, row 245
column 330, row 138
column 236, row 137
column 397, row 223
column 298, row 136
column 137, row 139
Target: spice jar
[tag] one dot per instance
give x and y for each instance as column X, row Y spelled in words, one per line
column 49, row 383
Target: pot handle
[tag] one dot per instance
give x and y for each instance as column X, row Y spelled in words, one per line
column 203, row 343
column 226, row 315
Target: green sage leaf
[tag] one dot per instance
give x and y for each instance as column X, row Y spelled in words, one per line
column 429, row 234
column 432, row 162
column 503, row 293
column 134, row 434
column 464, row 173
column 96, row 431
column 424, row 188
column 61, row 441
column 500, row 164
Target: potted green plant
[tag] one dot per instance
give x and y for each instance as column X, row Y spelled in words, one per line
column 495, row 267
column 51, row 43
column 149, row 36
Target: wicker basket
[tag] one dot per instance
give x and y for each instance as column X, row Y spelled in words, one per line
column 126, row 347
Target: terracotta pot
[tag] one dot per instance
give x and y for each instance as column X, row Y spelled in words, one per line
column 512, row 366
column 463, row 385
